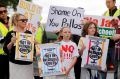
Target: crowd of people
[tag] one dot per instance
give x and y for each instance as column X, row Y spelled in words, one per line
column 16, row 69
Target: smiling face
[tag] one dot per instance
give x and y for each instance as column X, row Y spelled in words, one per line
column 91, row 29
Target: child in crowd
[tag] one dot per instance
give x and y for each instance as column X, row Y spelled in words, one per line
column 69, row 54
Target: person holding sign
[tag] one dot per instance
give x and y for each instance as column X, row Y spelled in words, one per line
column 111, row 58
column 69, row 53
column 18, row 69
column 90, row 28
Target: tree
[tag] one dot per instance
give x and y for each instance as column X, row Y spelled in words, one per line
column 12, row 3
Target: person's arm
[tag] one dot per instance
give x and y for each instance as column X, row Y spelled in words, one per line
column 7, row 41
column 11, row 43
column 74, row 60
column 81, row 46
column 115, row 37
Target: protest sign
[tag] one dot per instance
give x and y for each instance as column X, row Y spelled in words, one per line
column 50, row 60
column 95, row 54
column 65, row 16
column 24, row 47
column 106, row 29
column 32, row 13
column 106, row 32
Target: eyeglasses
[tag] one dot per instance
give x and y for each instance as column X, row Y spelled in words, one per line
column 4, row 11
column 23, row 20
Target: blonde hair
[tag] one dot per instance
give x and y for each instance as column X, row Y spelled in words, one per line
column 14, row 18
column 60, row 37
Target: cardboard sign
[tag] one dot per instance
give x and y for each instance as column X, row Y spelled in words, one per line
column 32, row 12
column 50, row 60
column 95, row 54
column 24, row 47
column 64, row 16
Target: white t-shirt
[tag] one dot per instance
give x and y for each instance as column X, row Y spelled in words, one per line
column 69, row 50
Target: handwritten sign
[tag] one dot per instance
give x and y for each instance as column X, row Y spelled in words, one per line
column 32, row 12
column 65, row 16
column 24, row 47
column 95, row 54
column 50, row 60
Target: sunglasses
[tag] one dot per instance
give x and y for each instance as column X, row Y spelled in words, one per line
column 4, row 11
column 23, row 20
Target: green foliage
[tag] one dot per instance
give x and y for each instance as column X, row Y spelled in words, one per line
column 12, row 3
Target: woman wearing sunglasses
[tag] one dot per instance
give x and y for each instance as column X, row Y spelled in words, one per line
column 18, row 69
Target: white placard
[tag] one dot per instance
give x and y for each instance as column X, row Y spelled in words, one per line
column 61, row 16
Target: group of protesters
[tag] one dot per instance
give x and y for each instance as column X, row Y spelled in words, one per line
column 16, row 69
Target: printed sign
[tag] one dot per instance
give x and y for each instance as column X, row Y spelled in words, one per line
column 24, row 47
column 50, row 60
column 95, row 54
column 32, row 12
column 65, row 16
column 102, row 21
column 105, row 29
column 106, row 32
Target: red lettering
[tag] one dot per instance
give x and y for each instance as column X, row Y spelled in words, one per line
column 95, row 21
column 102, row 23
column 90, row 19
column 107, row 23
column 71, row 48
column 64, row 48
column 114, row 23
column 67, row 48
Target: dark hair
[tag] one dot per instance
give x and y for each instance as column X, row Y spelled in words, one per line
column 2, row 5
column 85, row 29
column 114, row 0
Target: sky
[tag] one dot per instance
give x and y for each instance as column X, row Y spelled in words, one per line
column 92, row 7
